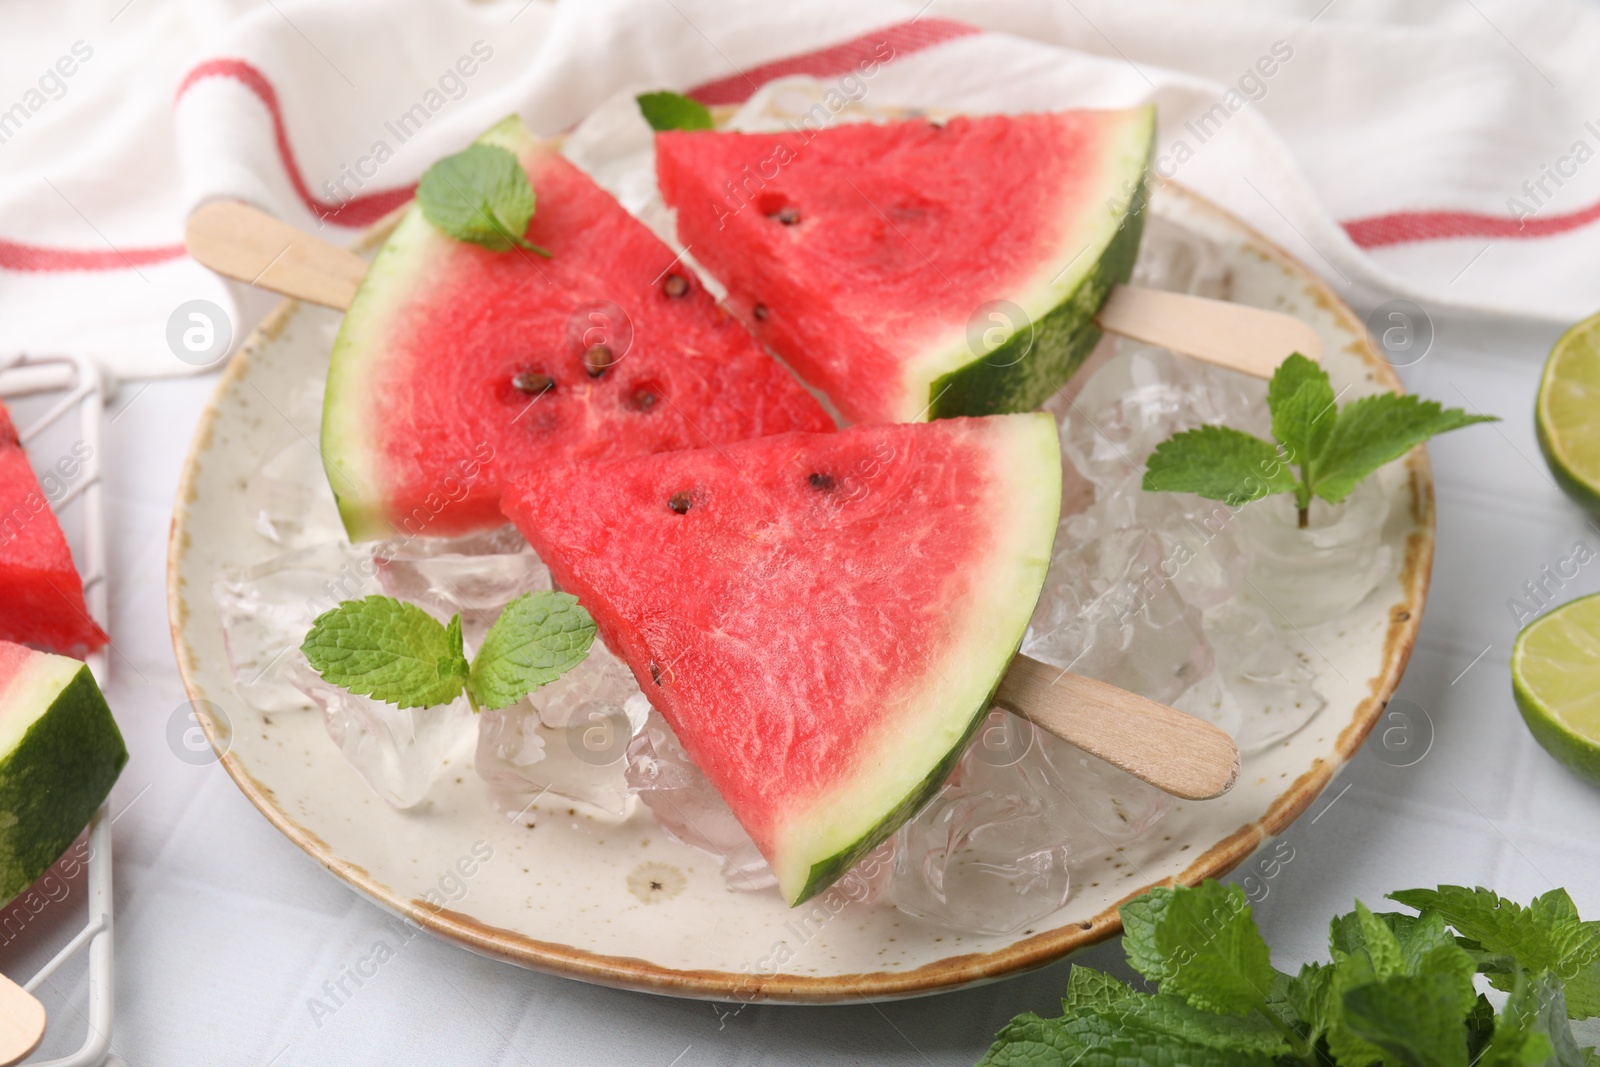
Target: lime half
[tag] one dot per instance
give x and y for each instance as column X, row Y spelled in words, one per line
column 1555, row 675
column 1567, row 413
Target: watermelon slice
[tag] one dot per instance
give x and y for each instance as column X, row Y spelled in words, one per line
column 41, row 595
column 60, row 751
column 455, row 363
column 822, row 618
column 915, row 270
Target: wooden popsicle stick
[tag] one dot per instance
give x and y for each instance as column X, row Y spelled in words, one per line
column 21, row 1022
column 245, row 243
column 1235, row 336
column 1173, row 751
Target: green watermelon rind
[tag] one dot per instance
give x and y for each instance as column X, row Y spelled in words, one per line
column 1031, row 486
column 1023, row 371
column 349, row 448
column 58, row 773
column 1042, row 354
column 830, row 870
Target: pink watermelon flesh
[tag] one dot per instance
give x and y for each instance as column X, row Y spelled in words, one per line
column 821, row 617
column 422, row 419
column 911, row 270
column 41, row 595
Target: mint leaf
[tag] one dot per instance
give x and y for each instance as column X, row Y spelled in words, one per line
column 1307, row 995
column 1546, row 935
column 1532, row 1031
column 1218, row 463
column 1088, row 988
column 1031, row 1041
column 1171, row 1017
column 1480, row 1027
column 1380, row 943
column 481, row 195
column 672, row 111
column 1324, row 450
column 388, row 650
column 1373, row 431
column 1302, row 403
column 1201, row 944
column 1350, row 1049
column 537, row 638
column 1159, row 1031
column 1416, row 1019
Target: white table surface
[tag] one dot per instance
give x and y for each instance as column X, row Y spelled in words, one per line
column 224, row 929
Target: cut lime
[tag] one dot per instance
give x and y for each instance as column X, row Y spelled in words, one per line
column 1555, row 675
column 1567, row 413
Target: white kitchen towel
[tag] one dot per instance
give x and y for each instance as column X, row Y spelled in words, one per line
column 1438, row 151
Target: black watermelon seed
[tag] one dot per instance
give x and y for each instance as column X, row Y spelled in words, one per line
column 655, row 672
column 642, row 400
column 788, row 216
column 676, row 285
column 597, row 360
column 821, row 481
column 680, row 503
column 532, row 383
column 760, row 312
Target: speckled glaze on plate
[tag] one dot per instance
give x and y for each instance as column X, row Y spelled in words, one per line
column 623, row 905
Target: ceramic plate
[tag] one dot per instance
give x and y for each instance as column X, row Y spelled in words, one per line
column 623, row 905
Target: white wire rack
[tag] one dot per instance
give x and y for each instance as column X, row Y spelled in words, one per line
column 83, row 396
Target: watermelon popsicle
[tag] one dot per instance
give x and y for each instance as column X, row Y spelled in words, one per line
column 919, row 269
column 823, row 619
column 456, row 363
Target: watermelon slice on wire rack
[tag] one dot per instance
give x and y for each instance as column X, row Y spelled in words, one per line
column 60, row 753
column 41, row 594
column 456, row 364
column 915, row 269
column 822, row 618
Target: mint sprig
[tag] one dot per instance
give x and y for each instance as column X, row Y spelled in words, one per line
column 397, row 653
column 674, row 111
column 1322, row 450
column 480, row 195
column 1400, row 989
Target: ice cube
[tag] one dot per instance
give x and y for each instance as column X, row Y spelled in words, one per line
column 1210, row 700
column 1090, row 802
column 1139, row 398
column 1267, row 671
column 289, row 500
column 267, row 609
column 1311, row 576
column 568, row 739
column 1109, row 610
column 1175, row 258
column 689, row 808
column 982, row 862
column 287, row 496
column 476, row 575
column 1200, row 545
column 399, row 752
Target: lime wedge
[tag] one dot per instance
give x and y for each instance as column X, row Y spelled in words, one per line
column 1555, row 676
column 1567, row 413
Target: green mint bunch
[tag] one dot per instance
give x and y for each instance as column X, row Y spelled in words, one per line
column 1321, row 450
column 673, row 111
column 480, row 195
column 397, row 653
column 1400, row 991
